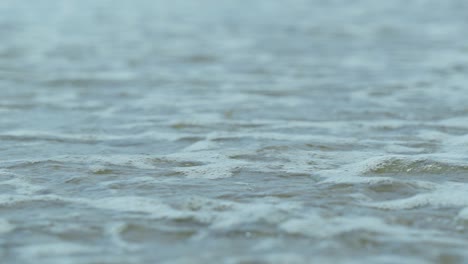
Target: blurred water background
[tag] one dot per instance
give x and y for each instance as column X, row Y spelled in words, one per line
column 263, row 131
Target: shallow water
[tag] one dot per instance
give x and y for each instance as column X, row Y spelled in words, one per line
column 233, row 132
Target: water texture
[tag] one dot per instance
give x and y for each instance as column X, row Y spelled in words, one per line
column 233, row 132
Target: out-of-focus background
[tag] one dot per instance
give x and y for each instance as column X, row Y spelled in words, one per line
column 261, row 131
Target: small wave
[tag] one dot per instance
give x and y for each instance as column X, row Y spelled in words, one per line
column 446, row 195
column 406, row 165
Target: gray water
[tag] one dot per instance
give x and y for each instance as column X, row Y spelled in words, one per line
column 233, row 132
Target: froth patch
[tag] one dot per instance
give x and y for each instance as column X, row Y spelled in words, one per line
column 207, row 172
column 402, row 164
column 22, row 186
column 391, row 165
column 268, row 212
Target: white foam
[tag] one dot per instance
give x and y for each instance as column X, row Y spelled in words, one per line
column 22, row 186
column 270, row 212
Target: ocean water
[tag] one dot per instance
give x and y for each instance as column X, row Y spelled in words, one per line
column 234, row 132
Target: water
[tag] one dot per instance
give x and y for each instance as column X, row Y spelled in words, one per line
column 233, row 131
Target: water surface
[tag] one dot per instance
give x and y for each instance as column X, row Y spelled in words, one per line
column 233, row 131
